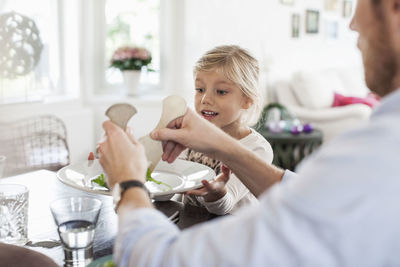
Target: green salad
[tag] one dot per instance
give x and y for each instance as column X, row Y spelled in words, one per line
column 109, row 264
column 101, row 180
column 149, row 178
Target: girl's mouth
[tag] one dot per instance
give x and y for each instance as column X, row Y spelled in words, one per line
column 208, row 115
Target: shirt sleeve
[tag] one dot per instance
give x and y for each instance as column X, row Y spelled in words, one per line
column 236, row 190
column 225, row 204
column 288, row 175
column 275, row 233
column 334, row 214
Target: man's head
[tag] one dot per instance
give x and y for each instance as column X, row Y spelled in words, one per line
column 378, row 25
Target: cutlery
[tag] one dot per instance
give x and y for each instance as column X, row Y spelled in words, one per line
column 174, row 217
column 121, row 113
column 51, row 243
column 175, row 220
column 173, row 107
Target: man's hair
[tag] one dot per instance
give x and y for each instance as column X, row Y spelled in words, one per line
column 378, row 8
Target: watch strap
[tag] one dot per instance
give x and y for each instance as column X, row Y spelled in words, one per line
column 132, row 183
column 125, row 186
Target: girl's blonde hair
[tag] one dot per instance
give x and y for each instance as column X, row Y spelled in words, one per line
column 237, row 65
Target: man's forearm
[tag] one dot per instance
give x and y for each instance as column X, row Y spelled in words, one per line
column 134, row 198
column 252, row 170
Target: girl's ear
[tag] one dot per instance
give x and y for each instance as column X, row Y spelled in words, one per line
column 247, row 102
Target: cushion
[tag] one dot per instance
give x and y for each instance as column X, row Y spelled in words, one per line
column 370, row 100
column 315, row 90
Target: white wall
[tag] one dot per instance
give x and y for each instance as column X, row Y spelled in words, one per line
column 264, row 27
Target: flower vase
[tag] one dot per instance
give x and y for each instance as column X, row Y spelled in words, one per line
column 131, row 81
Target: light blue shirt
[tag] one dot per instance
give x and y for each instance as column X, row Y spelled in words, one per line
column 343, row 209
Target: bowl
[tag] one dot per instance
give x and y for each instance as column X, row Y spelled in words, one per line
column 165, row 185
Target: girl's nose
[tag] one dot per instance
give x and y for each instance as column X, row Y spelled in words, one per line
column 207, row 98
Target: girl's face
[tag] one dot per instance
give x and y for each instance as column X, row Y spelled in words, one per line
column 219, row 100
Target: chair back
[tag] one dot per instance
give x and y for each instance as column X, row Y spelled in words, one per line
column 34, row 143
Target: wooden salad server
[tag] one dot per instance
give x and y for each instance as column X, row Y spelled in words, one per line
column 121, row 113
column 173, row 107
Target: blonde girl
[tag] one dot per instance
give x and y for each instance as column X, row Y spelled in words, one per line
column 227, row 95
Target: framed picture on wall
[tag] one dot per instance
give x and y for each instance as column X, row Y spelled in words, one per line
column 332, row 5
column 347, row 8
column 295, row 25
column 287, row 2
column 312, row 21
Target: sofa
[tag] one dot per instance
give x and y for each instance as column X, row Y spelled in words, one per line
column 309, row 96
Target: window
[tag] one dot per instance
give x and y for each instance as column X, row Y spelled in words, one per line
column 136, row 23
column 34, row 73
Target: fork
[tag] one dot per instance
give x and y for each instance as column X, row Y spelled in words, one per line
column 174, row 217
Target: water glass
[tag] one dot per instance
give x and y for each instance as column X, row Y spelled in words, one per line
column 14, row 214
column 76, row 219
column 2, row 164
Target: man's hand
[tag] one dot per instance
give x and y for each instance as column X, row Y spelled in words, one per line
column 192, row 131
column 216, row 189
column 121, row 156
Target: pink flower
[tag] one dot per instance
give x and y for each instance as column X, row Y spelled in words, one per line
column 130, row 58
column 128, row 52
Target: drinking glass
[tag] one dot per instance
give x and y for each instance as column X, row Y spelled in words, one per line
column 76, row 219
column 2, row 164
column 14, row 214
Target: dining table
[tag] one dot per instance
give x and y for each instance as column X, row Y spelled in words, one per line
column 44, row 187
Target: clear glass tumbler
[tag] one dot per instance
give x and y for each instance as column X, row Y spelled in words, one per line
column 2, row 164
column 14, row 200
column 76, row 219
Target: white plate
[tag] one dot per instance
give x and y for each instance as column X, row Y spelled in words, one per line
column 181, row 176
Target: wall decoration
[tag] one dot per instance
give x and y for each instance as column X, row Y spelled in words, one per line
column 331, row 29
column 295, row 25
column 287, row 2
column 20, row 44
column 312, row 21
column 332, row 5
column 347, row 8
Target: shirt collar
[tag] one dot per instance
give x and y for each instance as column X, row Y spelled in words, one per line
column 389, row 104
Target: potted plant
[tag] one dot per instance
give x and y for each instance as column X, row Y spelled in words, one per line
column 130, row 60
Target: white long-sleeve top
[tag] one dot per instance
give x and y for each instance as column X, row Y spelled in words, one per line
column 238, row 195
column 343, row 209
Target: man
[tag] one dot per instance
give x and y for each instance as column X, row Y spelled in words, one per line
column 342, row 210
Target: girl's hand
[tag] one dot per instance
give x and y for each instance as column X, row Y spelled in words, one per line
column 121, row 156
column 216, row 189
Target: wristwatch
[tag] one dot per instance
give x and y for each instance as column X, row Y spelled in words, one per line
column 120, row 188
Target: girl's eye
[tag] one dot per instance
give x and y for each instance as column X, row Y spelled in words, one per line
column 200, row 90
column 222, row 92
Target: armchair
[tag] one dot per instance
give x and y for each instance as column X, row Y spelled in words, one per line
column 309, row 97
